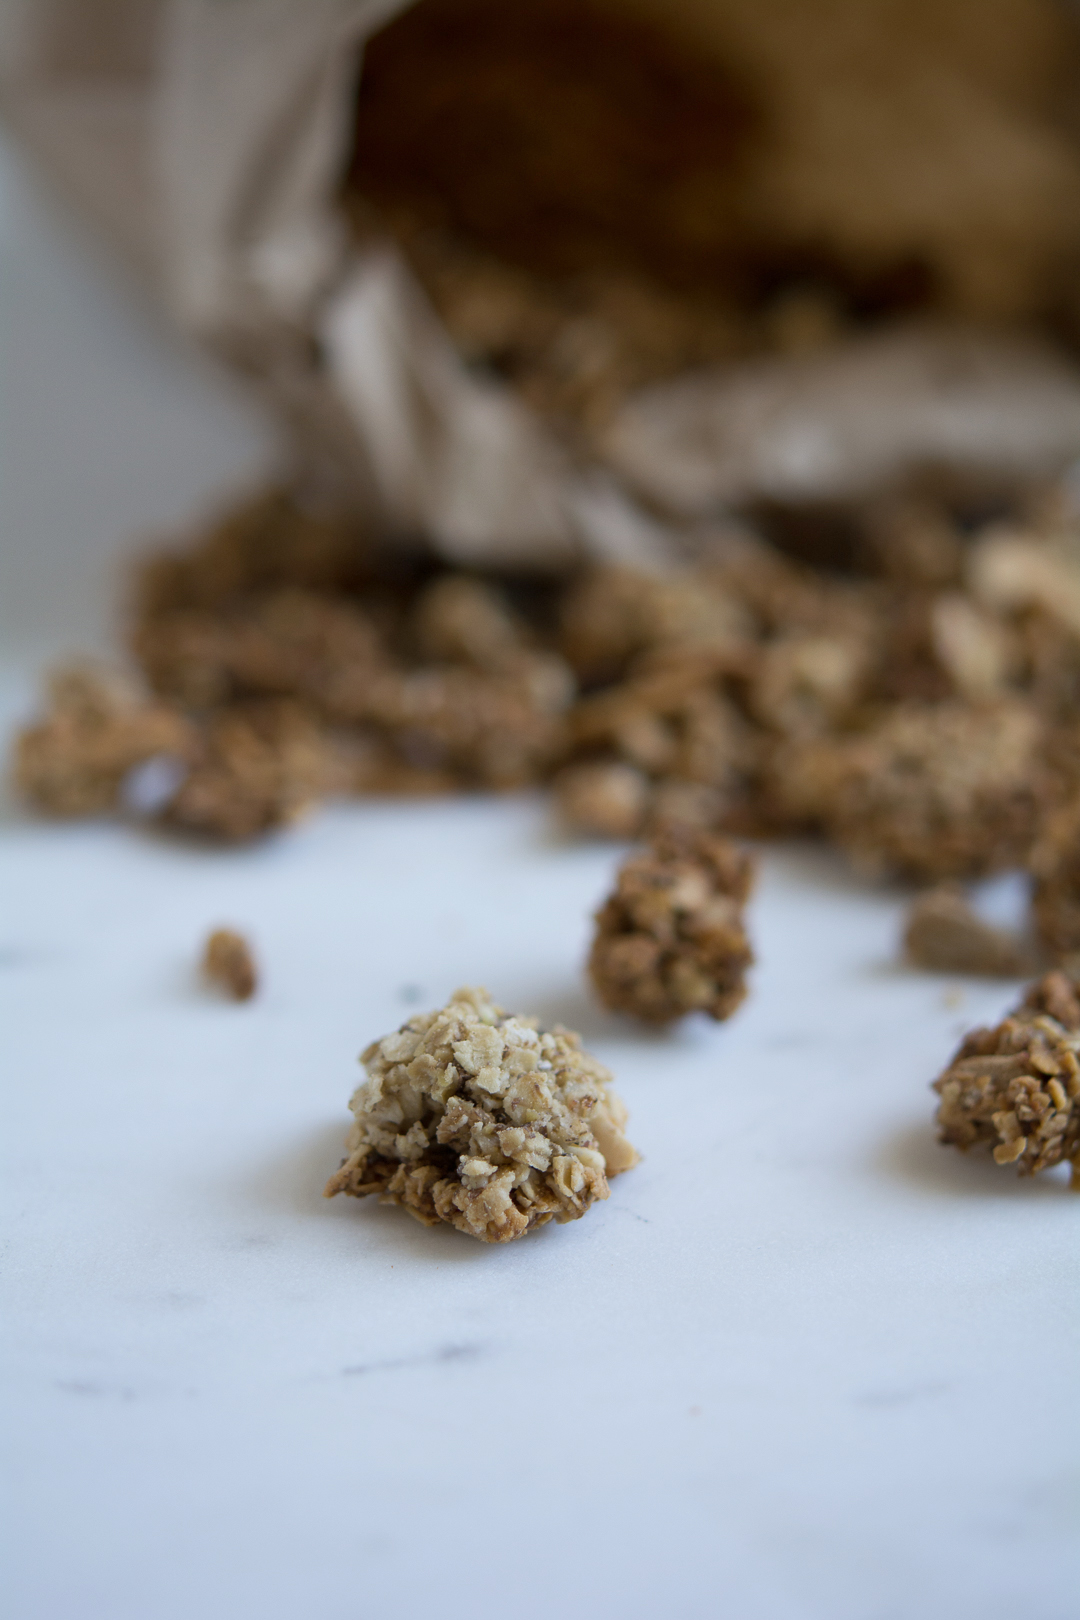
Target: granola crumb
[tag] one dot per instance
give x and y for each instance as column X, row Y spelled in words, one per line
column 944, row 934
column 228, row 963
column 1015, row 1089
column 671, row 938
column 481, row 1119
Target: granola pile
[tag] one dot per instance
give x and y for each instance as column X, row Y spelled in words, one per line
column 917, row 706
column 670, row 939
column 479, row 1118
column 1016, row 1088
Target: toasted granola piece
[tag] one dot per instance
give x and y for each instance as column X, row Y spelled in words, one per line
column 228, row 963
column 1016, row 1088
column 284, row 643
column 805, row 683
column 461, row 620
column 97, row 731
column 671, row 938
column 261, row 766
column 266, row 540
column 611, row 616
column 1056, row 898
column 605, row 798
column 930, row 791
column 498, row 731
column 482, row 1119
column 944, row 934
column 676, row 722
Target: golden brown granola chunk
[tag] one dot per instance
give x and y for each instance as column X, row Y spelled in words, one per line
column 931, row 791
column 1016, row 1088
column 479, row 1118
column 500, row 731
column 228, row 963
column 97, row 730
column 261, row 765
column 944, row 934
column 671, row 938
column 285, row 642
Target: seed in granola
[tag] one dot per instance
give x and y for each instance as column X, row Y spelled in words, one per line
column 943, row 933
column 1015, row 1089
column 480, row 1118
column 228, row 963
column 671, row 939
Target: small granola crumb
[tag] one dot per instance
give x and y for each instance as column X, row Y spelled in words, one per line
column 480, row 1118
column 228, row 963
column 671, row 938
column 944, row 934
column 1016, row 1088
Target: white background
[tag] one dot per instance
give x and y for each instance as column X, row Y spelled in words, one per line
column 804, row 1362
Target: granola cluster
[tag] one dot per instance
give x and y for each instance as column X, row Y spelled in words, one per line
column 482, row 1119
column 1016, row 1088
column 671, row 939
column 96, row 732
column 945, row 934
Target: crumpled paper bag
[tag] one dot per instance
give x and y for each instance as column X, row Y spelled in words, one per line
column 206, row 137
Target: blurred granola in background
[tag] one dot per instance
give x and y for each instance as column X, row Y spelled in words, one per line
column 681, row 398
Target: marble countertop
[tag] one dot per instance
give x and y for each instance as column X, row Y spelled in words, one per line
column 803, row 1365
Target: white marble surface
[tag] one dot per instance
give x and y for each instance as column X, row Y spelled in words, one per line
column 803, row 1365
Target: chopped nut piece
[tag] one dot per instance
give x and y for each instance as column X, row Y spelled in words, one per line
column 1016, row 1088
column 944, row 934
column 97, row 730
column 228, row 963
column 671, row 939
column 479, row 1118
column 605, row 798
